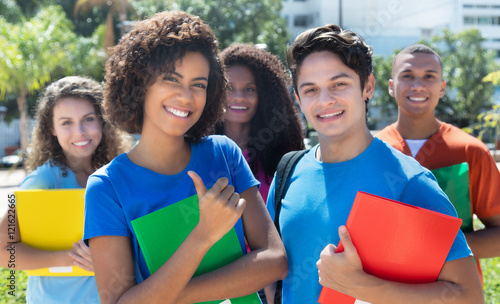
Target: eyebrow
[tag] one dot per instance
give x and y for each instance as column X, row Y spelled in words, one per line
column 195, row 79
column 90, row 113
column 426, row 71
column 341, row 75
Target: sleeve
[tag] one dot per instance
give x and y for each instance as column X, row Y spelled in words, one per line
column 484, row 180
column 241, row 173
column 104, row 214
column 423, row 191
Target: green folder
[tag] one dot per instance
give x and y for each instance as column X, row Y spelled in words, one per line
column 454, row 180
column 160, row 233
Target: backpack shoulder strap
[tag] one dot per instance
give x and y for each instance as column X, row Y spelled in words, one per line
column 283, row 172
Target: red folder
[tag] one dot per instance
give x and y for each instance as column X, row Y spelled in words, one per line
column 396, row 241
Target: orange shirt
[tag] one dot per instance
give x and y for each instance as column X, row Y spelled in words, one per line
column 451, row 146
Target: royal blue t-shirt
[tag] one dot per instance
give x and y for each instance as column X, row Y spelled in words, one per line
column 123, row 191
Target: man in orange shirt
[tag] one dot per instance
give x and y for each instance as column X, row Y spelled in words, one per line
column 417, row 85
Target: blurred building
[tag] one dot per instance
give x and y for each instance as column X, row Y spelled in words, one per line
column 393, row 24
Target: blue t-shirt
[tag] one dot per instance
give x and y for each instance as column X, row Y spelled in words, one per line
column 123, row 191
column 320, row 197
column 48, row 290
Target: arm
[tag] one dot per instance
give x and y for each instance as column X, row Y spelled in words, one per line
column 265, row 264
column 220, row 208
column 485, row 243
column 27, row 257
column 458, row 281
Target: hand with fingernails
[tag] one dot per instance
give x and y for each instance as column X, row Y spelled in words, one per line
column 341, row 271
column 220, row 207
column 80, row 253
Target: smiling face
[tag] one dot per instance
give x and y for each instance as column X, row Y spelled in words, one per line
column 77, row 128
column 417, row 84
column 242, row 98
column 175, row 102
column 330, row 96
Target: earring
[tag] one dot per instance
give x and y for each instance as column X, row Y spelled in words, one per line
column 367, row 99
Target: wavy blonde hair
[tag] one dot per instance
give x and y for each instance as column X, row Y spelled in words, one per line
column 45, row 146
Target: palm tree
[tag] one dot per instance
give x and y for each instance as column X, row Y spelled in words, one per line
column 116, row 7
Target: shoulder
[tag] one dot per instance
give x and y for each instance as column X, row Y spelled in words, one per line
column 390, row 135
column 116, row 166
column 218, row 143
column 456, row 136
column 46, row 176
column 389, row 158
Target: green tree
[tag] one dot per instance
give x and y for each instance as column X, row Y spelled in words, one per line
column 119, row 8
column 465, row 63
column 245, row 21
column 38, row 49
column 381, row 101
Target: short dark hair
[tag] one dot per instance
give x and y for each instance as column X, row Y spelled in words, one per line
column 348, row 45
column 150, row 50
column 418, row 49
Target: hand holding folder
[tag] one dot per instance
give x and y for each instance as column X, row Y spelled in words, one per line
column 51, row 220
column 396, row 242
column 160, row 233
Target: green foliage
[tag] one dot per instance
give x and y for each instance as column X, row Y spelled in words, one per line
column 245, row 21
column 491, row 276
column 34, row 51
column 21, row 281
column 10, row 10
column 465, row 63
column 381, row 100
column 493, row 77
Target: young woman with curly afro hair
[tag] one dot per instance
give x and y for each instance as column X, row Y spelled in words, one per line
column 260, row 115
column 165, row 81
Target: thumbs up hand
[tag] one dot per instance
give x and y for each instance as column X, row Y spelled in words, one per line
column 220, row 207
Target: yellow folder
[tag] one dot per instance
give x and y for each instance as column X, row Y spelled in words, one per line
column 51, row 220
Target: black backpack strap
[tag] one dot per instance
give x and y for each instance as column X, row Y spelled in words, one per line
column 283, row 172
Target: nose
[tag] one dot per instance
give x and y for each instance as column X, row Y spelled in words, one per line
column 184, row 95
column 417, row 84
column 235, row 93
column 80, row 128
column 326, row 97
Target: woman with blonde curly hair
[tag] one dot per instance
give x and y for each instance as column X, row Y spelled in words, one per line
column 70, row 141
column 165, row 81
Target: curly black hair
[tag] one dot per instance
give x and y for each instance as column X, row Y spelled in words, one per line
column 150, row 50
column 275, row 128
column 45, row 146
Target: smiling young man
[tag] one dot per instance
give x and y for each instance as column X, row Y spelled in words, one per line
column 417, row 85
column 332, row 77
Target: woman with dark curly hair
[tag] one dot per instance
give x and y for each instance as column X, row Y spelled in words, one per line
column 164, row 80
column 70, row 141
column 260, row 115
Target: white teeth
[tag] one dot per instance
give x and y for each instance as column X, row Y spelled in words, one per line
column 81, row 143
column 331, row 115
column 178, row 112
column 238, row 108
column 417, row 98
